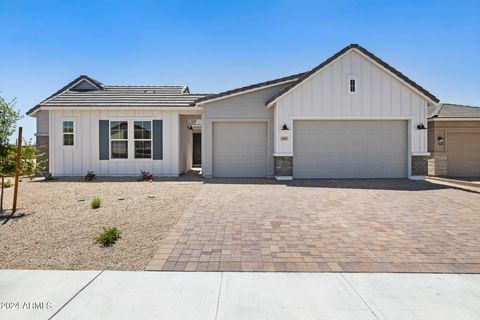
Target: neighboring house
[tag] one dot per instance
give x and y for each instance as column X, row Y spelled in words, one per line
column 454, row 140
column 353, row 116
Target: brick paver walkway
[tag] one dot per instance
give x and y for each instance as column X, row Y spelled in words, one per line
column 330, row 225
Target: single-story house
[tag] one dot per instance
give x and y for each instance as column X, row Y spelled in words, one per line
column 352, row 116
column 454, row 140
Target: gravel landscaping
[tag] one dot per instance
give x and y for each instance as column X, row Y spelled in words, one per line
column 55, row 227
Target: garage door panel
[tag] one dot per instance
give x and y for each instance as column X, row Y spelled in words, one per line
column 463, row 154
column 240, row 149
column 350, row 149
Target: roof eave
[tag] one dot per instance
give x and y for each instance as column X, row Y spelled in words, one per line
column 33, row 111
column 71, row 84
column 247, row 89
column 454, row 119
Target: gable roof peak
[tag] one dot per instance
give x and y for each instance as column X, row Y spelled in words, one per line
column 81, row 78
column 368, row 54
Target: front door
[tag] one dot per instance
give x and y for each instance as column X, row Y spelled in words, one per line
column 197, row 149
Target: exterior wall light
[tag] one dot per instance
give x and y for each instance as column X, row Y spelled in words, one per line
column 284, row 133
column 421, row 127
column 441, row 141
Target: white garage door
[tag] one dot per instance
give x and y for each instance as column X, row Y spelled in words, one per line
column 350, row 149
column 240, row 149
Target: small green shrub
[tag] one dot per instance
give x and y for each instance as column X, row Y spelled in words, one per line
column 108, row 236
column 90, row 176
column 7, row 184
column 96, row 202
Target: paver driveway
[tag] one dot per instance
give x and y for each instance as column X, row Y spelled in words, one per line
column 326, row 225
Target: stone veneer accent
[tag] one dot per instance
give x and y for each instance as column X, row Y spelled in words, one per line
column 283, row 166
column 437, row 164
column 42, row 147
column 419, row 165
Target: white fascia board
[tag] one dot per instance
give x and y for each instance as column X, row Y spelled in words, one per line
column 33, row 114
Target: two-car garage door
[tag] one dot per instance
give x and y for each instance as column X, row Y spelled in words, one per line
column 350, row 149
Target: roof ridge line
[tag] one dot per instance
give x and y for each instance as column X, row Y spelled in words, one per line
column 146, row 85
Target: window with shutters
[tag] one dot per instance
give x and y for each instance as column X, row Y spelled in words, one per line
column 142, row 137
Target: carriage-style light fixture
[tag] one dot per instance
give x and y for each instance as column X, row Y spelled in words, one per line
column 285, row 127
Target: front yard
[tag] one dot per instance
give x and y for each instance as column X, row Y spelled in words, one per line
column 369, row 225
column 55, row 228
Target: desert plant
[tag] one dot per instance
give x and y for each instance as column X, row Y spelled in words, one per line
column 96, row 202
column 145, row 176
column 90, row 176
column 108, row 236
column 49, row 177
column 7, row 184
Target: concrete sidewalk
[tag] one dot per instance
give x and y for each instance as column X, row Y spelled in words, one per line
column 170, row 295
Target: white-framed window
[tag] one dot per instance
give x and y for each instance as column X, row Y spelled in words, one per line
column 352, row 84
column 142, row 137
column 119, row 139
column 68, row 132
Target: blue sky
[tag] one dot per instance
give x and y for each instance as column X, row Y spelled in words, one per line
column 213, row 46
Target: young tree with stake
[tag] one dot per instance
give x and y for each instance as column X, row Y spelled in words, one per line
column 8, row 122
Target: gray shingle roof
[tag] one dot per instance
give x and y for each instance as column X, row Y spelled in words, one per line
column 368, row 54
column 109, row 95
column 250, row 87
column 448, row 110
column 126, row 96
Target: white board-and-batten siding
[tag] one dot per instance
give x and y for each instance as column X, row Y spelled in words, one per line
column 380, row 95
column 84, row 155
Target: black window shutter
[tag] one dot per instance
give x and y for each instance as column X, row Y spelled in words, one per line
column 157, row 139
column 103, row 140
